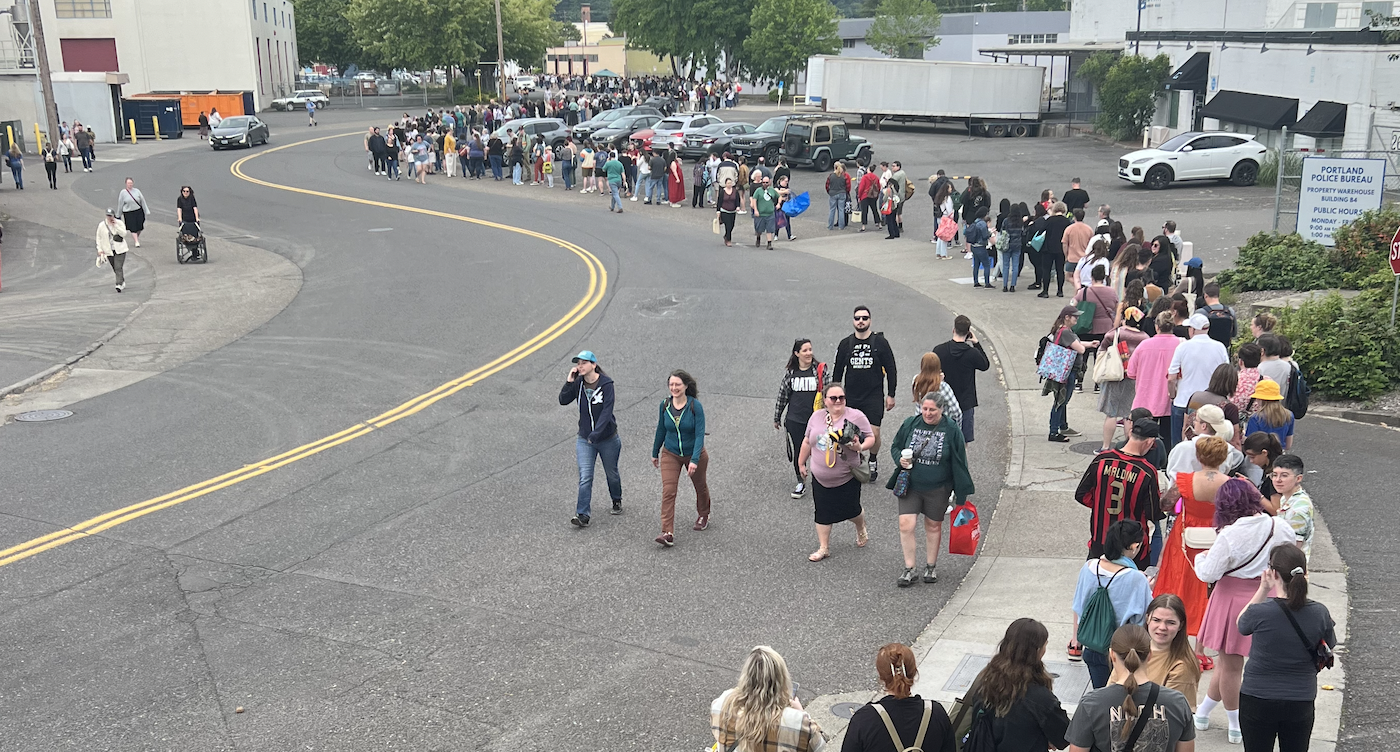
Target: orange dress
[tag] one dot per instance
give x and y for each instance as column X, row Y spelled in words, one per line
column 1175, row 573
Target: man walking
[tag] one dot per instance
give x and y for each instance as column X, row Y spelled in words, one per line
column 863, row 360
column 111, row 246
column 614, row 170
column 597, row 432
column 1193, row 363
column 962, row 357
column 764, row 204
column 1076, row 240
column 84, row 142
column 1120, row 484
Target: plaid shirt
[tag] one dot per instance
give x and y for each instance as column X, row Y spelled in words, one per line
column 796, row 732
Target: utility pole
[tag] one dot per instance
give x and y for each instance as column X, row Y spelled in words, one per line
column 41, row 51
column 500, row 51
column 1137, row 41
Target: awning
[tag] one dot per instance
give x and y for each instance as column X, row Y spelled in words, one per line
column 1259, row 110
column 605, row 73
column 1324, row 120
column 1192, row 74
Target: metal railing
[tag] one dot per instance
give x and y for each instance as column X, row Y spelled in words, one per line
column 16, row 47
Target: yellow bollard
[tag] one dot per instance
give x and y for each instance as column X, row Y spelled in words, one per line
column 10, row 131
column 131, row 128
column 155, row 122
column 38, row 137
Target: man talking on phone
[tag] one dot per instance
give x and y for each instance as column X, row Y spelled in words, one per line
column 597, row 433
column 962, row 357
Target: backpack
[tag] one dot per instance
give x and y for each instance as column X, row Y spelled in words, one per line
column 1298, row 393
column 980, row 737
column 1222, row 323
column 1099, row 620
column 918, row 745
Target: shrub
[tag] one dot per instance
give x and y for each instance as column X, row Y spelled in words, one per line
column 1292, row 166
column 1270, row 261
column 1345, row 348
column 1363, row 247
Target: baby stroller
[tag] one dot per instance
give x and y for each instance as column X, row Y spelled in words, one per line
column 190, row 245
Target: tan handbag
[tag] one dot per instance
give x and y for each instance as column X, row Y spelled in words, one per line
column 1198, row 538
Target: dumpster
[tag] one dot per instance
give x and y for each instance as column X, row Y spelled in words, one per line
column 166, row 111
column 229, row 103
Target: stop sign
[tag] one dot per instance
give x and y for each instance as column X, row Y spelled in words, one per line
column 1395, row 253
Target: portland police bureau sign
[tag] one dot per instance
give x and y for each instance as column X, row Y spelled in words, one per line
column 1335, row 192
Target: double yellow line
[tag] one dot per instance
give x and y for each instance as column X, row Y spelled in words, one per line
column 597, row 286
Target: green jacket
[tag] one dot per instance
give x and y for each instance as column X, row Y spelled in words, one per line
column 683, row 438
column 940, row 456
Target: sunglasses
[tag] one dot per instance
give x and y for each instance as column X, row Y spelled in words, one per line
column 862, row 318
column 836, row 398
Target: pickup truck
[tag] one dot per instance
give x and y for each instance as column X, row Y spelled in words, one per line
column 298, row 100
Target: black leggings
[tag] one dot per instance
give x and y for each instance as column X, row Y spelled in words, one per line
column 1053, row 264
column 795, row 435
column 697, row 196
column 726, row 219
column 870, row 205
column 1261, row 721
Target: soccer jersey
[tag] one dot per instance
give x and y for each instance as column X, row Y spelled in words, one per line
column 1118, row 486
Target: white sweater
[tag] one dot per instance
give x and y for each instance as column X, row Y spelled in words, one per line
column 1238, row 542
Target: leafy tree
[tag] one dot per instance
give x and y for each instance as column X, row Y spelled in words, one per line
column 422, row 34
column 324, row 34
column 1128, row 86
column 784, row 33
column 904, row 28
column 527, row 30
column 706, row 33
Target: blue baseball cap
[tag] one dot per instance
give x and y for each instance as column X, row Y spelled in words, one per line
column 586, row 355
column 1194, row 261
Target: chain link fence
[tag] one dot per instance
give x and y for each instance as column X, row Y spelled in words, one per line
column 1284, row 169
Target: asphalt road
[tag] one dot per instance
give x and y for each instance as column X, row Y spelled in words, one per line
column 420, row 586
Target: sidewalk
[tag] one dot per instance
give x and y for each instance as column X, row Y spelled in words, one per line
column 71, row 337
column 1033, row 546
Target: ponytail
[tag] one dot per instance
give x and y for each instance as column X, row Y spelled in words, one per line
column 1131, row 644
column 897, row 669
column 1291, row 566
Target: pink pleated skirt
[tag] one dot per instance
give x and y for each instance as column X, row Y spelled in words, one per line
column 1227, row 600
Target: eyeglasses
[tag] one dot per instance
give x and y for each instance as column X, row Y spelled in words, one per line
column 835, row 398
column 862, row 318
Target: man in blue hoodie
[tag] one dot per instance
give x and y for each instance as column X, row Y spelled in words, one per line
column 597, row 432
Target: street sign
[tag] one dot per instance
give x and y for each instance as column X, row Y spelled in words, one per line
column 1335, row 192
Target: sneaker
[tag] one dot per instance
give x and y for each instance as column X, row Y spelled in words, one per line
column 799, row 490
column 579, row 520
column 1067, row 431
column 929, row 574
column 968, row 255
column 908, row 578
column 1233, row 736
column 118, row 288
column 1201, row 723
column 583, row 190
column 976, row 284
column 666, row 539
column 616, row 507
column 702, row 522
column 634, row 198
column 1059, row 438
column 874, row 470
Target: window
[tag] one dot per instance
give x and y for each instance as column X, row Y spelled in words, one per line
column 823, row 134
column 83, row 8
column 849, row 44
column 838, row 132
column 1320, row 16
column 1032, row 38
column 264, row 11
column 98, row 55
column 1376, row 10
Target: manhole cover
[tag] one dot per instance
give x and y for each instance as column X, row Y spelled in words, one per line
column 1085, row 447
column 39, row 416
column 845, row 709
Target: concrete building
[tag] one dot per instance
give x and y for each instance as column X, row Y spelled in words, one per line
column 100, row 50
column 962, row 35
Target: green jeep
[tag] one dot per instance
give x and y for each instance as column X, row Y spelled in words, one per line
column 819, row 141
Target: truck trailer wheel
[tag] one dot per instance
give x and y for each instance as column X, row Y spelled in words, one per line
column 1020, row 131
column 997, row 131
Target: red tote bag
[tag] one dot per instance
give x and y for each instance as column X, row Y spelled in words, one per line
column 965, row 530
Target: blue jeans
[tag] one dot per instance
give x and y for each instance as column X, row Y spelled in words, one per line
column 1178, row 422
column 1010, row 268
column 616, row 201
column 982, row 260
column 588, row 454
column 658, row 190
column 515, row 174
column 18, row 174
column 392, row 168
column 1098, row 666
column 1059, row 416
column 567, row 167
column 496, row 166
column 836, row 216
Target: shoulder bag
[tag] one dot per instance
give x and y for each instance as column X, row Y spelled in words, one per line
column 1321, row 652
column 1200, row 538
column 1109, row 366
column 962, row 715
column 1085, row 323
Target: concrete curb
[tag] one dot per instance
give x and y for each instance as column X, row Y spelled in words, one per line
column 23, row 384
column 1388, row 420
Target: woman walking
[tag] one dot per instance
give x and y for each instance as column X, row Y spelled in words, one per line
column 900, row 720
column 1245, row 532
column 838, row 194
column 16, row 162
column 597, row 433
column 762, row 712
column 391, row 154
column 698, row 173
column 1016, row 687
column 134, row 210
column 727, row 205
column 1280, row 679
column 587, row 162
column 803, row 380
column 835, row 437
column 680, row 444
column 932, row 456
column 1116, row 397
column 783, row 183
column 943, row 207
column 1172, row 663
column 675, row 183
column 50, row 156
column 1128, row 590
column 66, row 148
column 930, row 379
column 1132, row 707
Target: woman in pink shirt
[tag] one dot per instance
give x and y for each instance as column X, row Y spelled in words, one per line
column 1148, row 369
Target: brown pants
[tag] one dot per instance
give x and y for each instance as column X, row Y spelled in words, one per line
column 671, row 470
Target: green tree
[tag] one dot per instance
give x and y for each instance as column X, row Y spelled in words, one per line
column 904, row 28
column 784, row 33
column 324, row 34
column 422, row 34
column 698, row 33
column 1128, row 86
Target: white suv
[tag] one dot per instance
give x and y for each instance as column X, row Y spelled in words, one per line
column 298, row 100
column 1214, row 155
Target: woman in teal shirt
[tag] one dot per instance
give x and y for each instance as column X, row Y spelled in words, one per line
column 680, row 443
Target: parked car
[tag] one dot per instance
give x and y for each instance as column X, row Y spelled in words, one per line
column 553, row 129
column 818, row 141
column 299, row 98
column 619, row 131
column 603, row 119
column 1195, row 155
column 672, row 131
column 661, row 102
column 765, row 141
column 239, row 130
column 524, row 83
column 713, row 139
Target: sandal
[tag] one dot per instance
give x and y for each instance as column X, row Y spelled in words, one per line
column 819, row 554
column 862, row 538
column 1075, row 652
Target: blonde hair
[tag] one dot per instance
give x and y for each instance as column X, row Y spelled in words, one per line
column 1275, row 414
column 757, row 702
column 930, row 376
column 838, row 168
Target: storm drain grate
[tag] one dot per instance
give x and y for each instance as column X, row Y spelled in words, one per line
column 1085, row 447
column 845, row 709
column 39, row 416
